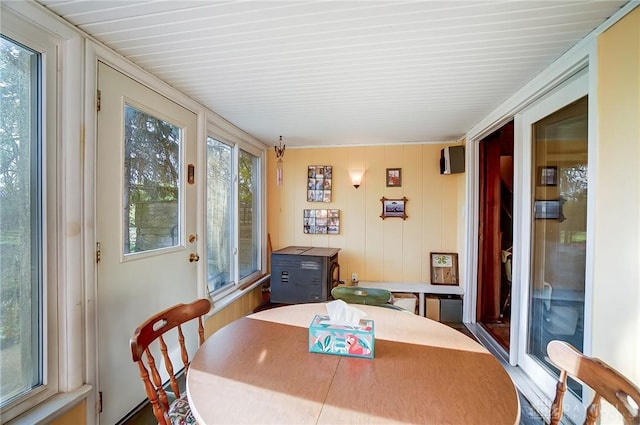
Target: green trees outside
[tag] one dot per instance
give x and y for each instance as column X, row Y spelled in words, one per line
column 152, row 174
column 20, row 217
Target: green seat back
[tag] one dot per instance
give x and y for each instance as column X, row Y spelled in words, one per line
column 360, row 295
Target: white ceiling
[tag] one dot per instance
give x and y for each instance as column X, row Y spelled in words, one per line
column 342, row 72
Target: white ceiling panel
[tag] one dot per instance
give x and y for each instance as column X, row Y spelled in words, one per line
column 342, row 72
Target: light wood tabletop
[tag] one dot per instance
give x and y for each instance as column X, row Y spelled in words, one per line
column 258, row 370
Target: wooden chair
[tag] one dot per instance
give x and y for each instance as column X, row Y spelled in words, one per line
column 606, row 382
column 153, row 329
column 367, row 296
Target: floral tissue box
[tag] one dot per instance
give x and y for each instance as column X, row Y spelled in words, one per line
column 343, row 340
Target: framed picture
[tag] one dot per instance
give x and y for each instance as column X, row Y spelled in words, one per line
column 321, row 221
column 319, row 183
column 444, row 268
column 394, row 208
column 548, row 176
column 548, row 210
column 394, row 177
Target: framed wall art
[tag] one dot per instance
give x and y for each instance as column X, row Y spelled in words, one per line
column 319, row 183
column 548, row 176
column 394, row 177
column 321, row 221
column 444, row 268
column 551, row 209
column 394, row 208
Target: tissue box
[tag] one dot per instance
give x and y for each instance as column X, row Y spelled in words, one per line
column 342, row 340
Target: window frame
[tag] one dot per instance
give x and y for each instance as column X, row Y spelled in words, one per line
column 61, row 50
column 237, row 144
column 230, row 286
column 256, row 202
column 29, row 36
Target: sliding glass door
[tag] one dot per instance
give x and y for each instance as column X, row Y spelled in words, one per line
column 555, row 132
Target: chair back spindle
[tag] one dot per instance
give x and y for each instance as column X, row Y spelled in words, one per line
column 153, row 331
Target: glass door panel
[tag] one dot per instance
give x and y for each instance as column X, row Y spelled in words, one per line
column 553, row 238
column 559, row 224
column 558, row 229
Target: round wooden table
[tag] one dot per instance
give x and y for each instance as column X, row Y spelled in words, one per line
column 258, row 370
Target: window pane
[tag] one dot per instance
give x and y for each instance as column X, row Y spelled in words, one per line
column 248, row 213
column 559, row 231
column 20, row 222
column 151, row 179
column 219, row 214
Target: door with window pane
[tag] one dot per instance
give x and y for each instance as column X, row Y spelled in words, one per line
column 555, row 298
column 146, row 226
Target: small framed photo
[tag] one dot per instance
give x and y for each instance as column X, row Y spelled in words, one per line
column 548, row 176
column 394, row 208
column 394, row 177
column 548, row 210
column 444, row 268
column 319, row 183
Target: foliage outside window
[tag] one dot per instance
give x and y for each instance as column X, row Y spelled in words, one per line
column 152, row 175
column 248, row 214
column 233, row 216
column 21, row 223
column 220, row 271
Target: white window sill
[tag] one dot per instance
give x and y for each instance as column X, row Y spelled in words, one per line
column 54, row 407
column 233, row 296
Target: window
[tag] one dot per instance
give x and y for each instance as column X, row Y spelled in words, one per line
column 248, row 247
column 21, row 289
column 230, row 262
column 220, row 271
column 152, row 173
column 28, row 217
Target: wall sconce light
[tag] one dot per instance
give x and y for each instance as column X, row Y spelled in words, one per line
column 356, row 177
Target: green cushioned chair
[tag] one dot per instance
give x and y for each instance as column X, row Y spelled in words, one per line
column 361, row 295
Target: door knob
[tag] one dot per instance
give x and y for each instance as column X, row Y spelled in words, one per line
column 193, row 257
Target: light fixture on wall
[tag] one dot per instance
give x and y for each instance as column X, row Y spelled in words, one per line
column 356, row 177
column 279, row 155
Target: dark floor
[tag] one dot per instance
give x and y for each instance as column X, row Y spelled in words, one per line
column 528, row 415
column 143, row 416
column 500, row 331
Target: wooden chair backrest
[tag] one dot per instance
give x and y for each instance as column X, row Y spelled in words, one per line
column 153, row 329
column 605, row 381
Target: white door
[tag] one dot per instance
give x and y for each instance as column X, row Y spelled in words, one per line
column 554, row 239
column 146, row 225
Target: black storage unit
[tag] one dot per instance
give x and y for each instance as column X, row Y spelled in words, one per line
column 302, row 274
column 444, row 308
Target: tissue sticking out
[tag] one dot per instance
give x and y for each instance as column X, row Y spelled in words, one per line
column 343, row 332
column 341, row 313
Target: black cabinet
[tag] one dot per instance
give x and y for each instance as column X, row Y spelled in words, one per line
column 303, row 274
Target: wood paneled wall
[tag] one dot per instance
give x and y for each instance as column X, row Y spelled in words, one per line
column 77, row 415
column 616, row 287
column 239, row 308
column 380, row 250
